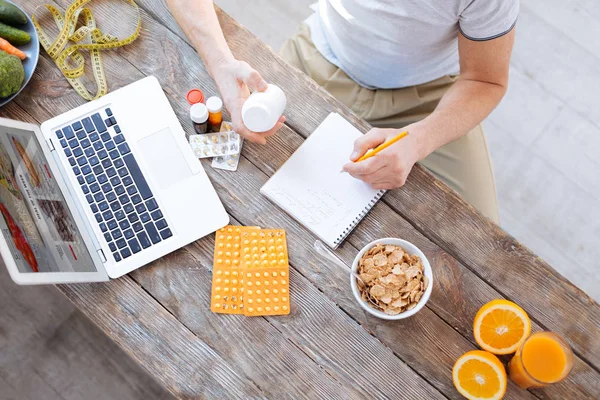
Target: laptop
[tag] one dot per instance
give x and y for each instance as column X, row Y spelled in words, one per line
column 101, row 190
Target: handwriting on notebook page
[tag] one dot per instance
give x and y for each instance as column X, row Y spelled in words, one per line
column 310, row 187
column 313, row 207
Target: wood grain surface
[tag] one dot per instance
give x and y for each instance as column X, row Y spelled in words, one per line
column 51, row 351
column 328, row 347
column 441, row 215
column 334, row 343
column 304, row 113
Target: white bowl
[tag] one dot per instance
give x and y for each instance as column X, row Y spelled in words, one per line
column 410, row 249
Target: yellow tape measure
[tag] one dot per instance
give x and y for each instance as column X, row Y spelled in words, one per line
column 61, row 54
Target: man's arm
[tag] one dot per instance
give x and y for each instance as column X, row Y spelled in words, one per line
column 198, row 19
column 482, row 83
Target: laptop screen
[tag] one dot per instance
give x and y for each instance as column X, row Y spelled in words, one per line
column 36, row 222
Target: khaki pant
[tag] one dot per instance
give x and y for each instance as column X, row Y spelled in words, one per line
column 464, row 164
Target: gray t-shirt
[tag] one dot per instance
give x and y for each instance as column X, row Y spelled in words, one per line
column 398, row 43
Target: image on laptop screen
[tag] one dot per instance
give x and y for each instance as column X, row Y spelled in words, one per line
column 36, row 222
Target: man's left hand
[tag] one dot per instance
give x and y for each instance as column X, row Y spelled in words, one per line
column 389, row 168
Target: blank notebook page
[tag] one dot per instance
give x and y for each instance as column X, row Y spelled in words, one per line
column 310, row 187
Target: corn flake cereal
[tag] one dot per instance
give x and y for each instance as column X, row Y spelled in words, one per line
column 391, row 280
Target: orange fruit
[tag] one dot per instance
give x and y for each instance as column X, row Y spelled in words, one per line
column 479, row 375
column 501, row 327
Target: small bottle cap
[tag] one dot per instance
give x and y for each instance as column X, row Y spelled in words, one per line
column 195, row 96
column 214, row 104
column 199, row 113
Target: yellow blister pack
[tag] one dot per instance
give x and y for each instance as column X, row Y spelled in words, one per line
column 228, row 284
column 266, row 291
column 266, row 272
column 250, row 272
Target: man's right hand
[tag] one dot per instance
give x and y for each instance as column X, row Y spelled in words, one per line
column 234, row 80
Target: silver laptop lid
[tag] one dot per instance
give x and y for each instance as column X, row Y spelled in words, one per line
column 40, row 238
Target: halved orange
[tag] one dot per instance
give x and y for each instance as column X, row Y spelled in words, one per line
column 479, row 375
column 501, row 326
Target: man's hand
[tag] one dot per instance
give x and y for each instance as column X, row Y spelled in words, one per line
column 234, row 79
column 389, row 168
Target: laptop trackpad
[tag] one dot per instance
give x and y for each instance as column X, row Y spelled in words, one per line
column 163, row 158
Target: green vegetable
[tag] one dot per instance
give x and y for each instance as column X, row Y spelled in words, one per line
column 12, row 74
column 11, row 14
column 13, row 35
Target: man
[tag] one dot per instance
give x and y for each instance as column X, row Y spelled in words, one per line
column 434, row 68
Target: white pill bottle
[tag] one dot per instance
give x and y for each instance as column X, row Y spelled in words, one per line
column 262, row 110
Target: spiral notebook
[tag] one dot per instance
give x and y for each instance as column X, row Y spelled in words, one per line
column 310, row 187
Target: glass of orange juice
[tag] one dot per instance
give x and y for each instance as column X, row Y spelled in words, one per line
column 544, row 358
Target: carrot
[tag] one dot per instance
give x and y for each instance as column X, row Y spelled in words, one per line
column 10, row 49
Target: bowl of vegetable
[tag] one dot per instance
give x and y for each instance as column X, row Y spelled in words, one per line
column 19, row 50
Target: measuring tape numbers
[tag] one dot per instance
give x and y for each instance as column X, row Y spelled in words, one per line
column 69, row 59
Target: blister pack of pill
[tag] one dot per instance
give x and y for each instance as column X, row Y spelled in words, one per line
column 251, row 272
column 227, row 288
column 266, row 284
column 215, row 144
column 266, row 292
column 230, row 162
column 228, row 271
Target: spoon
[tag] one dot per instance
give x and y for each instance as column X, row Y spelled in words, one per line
column 330, row 255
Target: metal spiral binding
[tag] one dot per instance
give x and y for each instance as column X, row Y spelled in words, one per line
column 359, row 218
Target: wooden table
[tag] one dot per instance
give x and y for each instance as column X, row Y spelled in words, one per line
column 328, row 347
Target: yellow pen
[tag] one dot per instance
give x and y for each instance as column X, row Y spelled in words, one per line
column 382, row 146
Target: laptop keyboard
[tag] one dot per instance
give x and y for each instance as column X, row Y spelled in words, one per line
column 113, row 184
